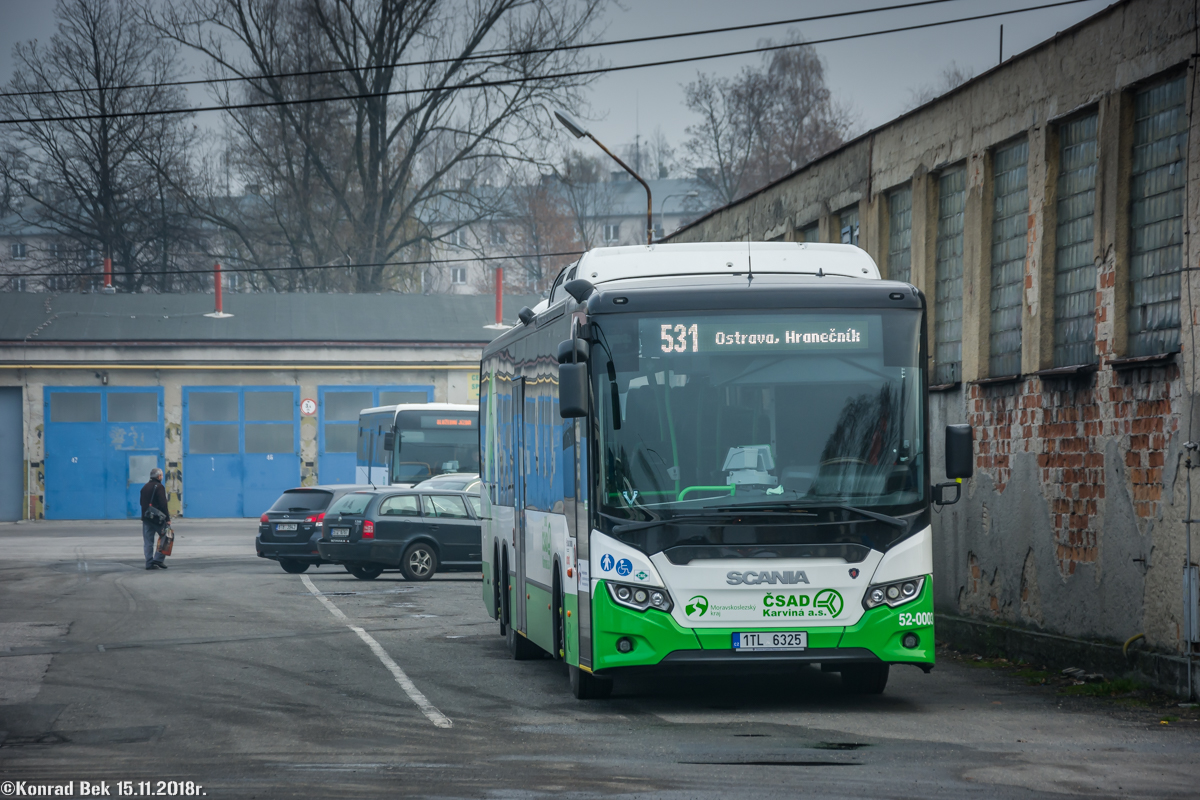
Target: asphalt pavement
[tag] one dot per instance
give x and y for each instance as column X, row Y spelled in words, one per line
column 225, row 677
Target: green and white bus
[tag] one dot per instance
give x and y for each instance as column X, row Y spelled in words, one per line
column 714, row 456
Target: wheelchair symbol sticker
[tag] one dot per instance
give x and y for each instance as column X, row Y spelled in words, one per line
column 624, row 567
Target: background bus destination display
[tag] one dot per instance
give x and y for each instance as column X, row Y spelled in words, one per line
column 768, row 333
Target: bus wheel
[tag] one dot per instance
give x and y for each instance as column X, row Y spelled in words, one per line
column 558, row 642
column 586, row 686
column 519, row 647
column 498, row 596
column 865, row 678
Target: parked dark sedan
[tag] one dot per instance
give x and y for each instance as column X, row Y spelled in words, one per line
column 418, row 532
column 289, row 530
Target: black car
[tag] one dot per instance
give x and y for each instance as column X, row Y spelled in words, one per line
column 413, row 530
column 289, row 530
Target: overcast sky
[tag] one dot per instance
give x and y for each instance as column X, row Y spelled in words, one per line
column 874, row 76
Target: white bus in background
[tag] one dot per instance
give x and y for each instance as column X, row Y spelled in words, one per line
column 403, row 445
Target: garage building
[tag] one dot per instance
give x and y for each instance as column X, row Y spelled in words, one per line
column 96, row 390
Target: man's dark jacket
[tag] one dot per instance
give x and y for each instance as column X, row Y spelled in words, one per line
column 154, row 494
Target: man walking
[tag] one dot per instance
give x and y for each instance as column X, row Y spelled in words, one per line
column 154, row 496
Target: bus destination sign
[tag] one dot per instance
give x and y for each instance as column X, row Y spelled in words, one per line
column 447, row 422
column 757, row 334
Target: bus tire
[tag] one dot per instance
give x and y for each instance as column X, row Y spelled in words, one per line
column 498, row 571
column 558, row 641
column 502, row 595
column 293, row 567
column 865, row 678
column 520, row 648
column 586, row 686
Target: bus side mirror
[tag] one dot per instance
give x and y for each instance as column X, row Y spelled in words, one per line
column 389, row 439
column 960, row 459
column 579, row 288
column 582, row 350
column 939, row 499
column 960, row 463
column 572, row 390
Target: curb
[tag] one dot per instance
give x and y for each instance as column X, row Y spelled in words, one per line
column 1165, row 672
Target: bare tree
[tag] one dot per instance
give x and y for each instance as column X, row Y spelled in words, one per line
column 951, row 77
column 721, row 143
column 661, row 154
column 542, row 224
column 588, row 193
column 362, row 180
column 762, row 124
column 651, row 157
column 100, row 181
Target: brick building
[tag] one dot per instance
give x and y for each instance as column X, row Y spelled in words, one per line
column 1043, row 208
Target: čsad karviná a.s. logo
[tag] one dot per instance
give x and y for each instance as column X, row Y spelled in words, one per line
column 697, row 606
column 830, row 600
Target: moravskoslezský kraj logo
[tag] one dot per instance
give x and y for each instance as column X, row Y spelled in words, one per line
column 830, row 600
column 697, row 606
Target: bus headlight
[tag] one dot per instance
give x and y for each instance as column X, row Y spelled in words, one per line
column 639, row 598
column 893, row 594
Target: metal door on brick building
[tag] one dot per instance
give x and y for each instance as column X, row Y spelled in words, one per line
column 337, row 450
column 101, row 443
column 241, row 448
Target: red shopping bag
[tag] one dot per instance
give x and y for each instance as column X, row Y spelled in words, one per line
column 166, row 540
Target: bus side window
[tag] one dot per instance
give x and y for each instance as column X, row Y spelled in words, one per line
column 556, row 294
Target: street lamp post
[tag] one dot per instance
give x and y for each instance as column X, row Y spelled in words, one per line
column 662, row 207
column 578, row 132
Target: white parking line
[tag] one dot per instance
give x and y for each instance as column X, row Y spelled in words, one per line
column 427, row 708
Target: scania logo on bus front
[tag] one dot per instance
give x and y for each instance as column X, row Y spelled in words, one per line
column 752, row 578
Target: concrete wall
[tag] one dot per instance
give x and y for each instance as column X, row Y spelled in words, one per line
column 1073, row 523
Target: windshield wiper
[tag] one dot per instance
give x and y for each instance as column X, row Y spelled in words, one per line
column 895, row 522
column 630, row 527
column 760, row 508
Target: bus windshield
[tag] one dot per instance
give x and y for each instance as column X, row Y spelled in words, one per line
column 737, row 409
column 431, row 443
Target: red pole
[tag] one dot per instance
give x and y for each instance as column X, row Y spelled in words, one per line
column 217, row 286
column 107, row 273
column 499, row 295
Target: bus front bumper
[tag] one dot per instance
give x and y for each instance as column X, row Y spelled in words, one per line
column 659, row 642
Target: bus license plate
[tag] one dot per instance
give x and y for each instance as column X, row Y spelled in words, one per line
column 339, row 533
column 779, row 640
column 286, row 526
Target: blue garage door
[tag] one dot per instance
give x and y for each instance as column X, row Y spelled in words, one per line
column 241, row 448
column 101, row 444
column 338, row 407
